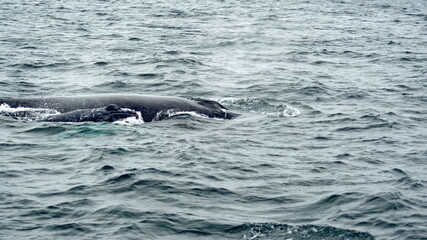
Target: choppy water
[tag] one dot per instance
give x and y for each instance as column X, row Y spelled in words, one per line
column 331, row 143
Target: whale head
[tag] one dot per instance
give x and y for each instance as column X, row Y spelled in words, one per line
column 216, row 109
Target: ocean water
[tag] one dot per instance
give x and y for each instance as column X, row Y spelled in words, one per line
column 331, row 144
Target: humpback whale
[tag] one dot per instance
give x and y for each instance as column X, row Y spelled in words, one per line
column 114, row 107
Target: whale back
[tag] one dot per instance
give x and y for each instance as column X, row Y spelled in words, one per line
column 110, row 113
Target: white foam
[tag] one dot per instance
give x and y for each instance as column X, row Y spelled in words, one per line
column 193, row 114
column 229, row 99
column 26, row 113
column 172, row 113
column 131, row 121
column 7, row 109
column 260, row 107
column 291, row 112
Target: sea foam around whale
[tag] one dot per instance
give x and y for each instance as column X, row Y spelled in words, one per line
column 25, row 113
column 38, row 114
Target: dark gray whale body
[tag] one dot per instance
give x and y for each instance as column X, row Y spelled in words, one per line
column 110, row 113
column 115, row 107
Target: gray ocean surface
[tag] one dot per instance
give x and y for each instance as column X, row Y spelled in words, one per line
column 331, row 144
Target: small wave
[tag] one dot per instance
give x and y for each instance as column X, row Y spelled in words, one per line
column 39, row 65
column 121, row 178
column 101, row 63
column 107, row 168
column 135, row 39
column 149, row 75
column 113, row 85
column 68, row 229
column 260, row 106
column 185, row 61
column 46, row 130
column 313, row 90
column 297, row 232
